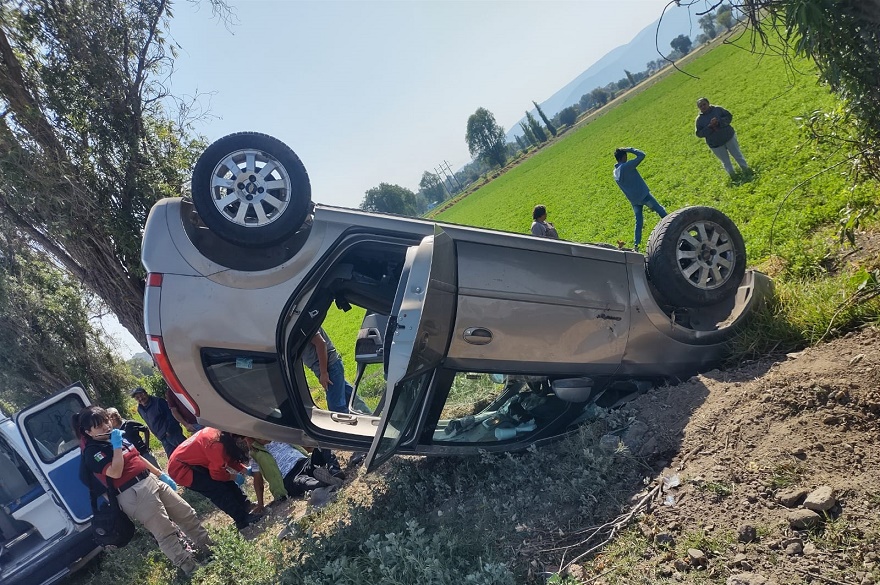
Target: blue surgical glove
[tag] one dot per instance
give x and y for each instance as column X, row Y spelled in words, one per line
column 249, row 470
column 239, row 479
column 116, row 438
column 164, row 477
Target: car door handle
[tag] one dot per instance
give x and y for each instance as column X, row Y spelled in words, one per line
column 346, row 419
column 477, row 335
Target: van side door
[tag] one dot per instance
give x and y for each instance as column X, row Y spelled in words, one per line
column 49, row 437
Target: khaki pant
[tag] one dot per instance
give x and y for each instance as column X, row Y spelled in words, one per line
column 155, row 505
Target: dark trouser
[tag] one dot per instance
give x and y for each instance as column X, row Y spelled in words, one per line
column 171, row 441
column 224, row 494
column 299, row 480
column 324, row 458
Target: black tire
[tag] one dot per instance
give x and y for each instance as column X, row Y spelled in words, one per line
column 696, row 257
column 239, row 203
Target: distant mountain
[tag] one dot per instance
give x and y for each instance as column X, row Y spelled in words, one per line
column 633, row 56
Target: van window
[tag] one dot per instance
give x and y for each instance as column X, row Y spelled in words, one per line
column 50, row 429
column 251, row 382
column 16, row 479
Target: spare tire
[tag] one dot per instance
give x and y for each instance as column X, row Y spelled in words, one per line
column 251, row 189
column 696, row 257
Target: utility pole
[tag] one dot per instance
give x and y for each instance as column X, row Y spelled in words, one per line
column 439, row 171
column 448, row 169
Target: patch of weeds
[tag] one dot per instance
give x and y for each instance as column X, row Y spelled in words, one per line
column 874, row 499
column 834, row 534
column 786, row 474
column 709, row 544
column 621, row 558
column 721, row 489
column 763, row 531
column 238, row 561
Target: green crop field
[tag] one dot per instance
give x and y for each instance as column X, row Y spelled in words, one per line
column 573, row 177
column 787, row 209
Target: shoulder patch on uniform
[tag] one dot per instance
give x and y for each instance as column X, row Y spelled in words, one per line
column 99, row 456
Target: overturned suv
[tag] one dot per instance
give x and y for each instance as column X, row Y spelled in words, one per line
column 483, row 339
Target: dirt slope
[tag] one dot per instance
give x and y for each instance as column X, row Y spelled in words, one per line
column 746, row 446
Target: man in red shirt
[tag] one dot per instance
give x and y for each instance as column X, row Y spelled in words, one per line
column 212, row 462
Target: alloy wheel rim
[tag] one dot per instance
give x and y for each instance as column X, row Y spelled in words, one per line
column 250, row 188
column 705, row 255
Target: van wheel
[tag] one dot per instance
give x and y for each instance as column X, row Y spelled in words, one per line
column 251, row 189
column 696, row 257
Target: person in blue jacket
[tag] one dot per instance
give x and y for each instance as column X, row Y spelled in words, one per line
column 627, row 177
column 159, row 418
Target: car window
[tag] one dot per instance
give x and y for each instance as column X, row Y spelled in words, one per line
column 251, row 382
column 488, row 408
column 50, row 429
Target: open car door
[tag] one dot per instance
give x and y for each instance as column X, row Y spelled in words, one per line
column 48, row 435
column 418, row 333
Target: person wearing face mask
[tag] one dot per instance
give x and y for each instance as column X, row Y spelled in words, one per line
column 143, row 491
column 212, row 462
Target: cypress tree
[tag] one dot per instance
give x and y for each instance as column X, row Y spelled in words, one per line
column 540, row 135
column 550, row 126
column 528, row 134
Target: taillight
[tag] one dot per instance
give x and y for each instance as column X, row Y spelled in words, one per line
column 154, row 279
column 157, row 348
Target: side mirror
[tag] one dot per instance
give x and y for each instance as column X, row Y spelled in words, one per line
column 573, row 389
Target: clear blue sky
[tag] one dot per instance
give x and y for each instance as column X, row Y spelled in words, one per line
column 369, row 92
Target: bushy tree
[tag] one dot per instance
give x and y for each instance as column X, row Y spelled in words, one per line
column 537, row 131
column 707, row 23
column 724, row 17
column 655, row 65
column 586, row 102
column 431, row 187
column 600, row 96
column 84, row 132
column 46, row 339
column 388, row 198
column 485, row 138
column 547, row 122
column 568, row 116
column 682, row 44
column 522, row 145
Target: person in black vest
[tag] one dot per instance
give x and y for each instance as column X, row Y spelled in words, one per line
column 133, row 432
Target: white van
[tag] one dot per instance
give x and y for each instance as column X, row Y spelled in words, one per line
column 45, row 514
